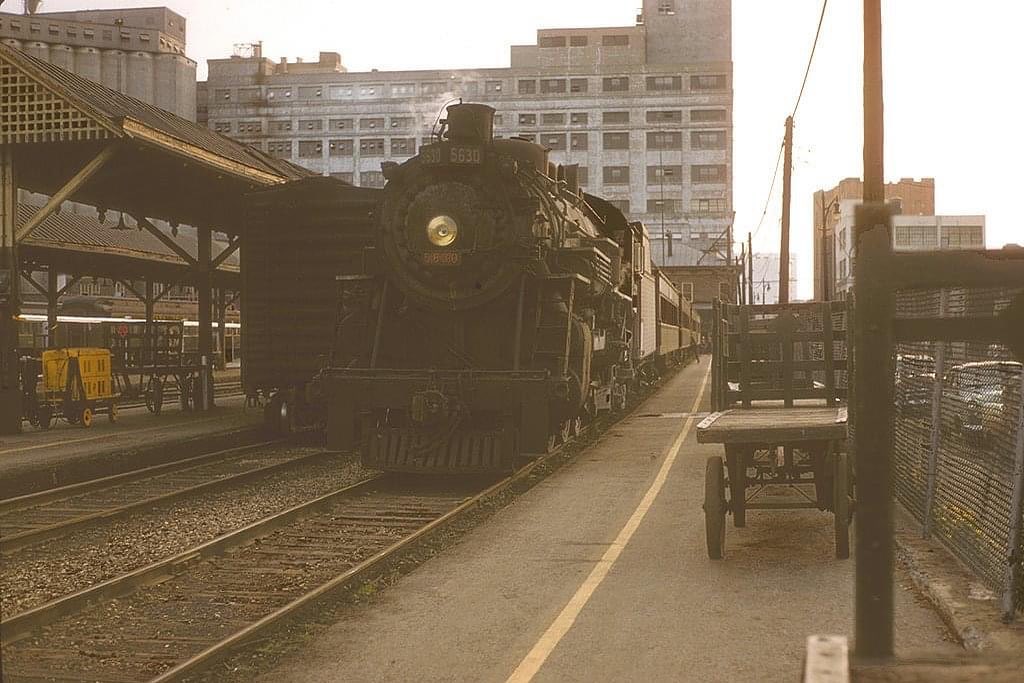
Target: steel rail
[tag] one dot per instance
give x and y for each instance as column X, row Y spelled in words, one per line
column 24, row 623
column 13, row 542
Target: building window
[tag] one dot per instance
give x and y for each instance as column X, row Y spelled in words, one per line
column 311, row 92
column 962, row 237
column 344, row 176
column 615, row 84
column 707, row 139
column 578, row 41
column 340, row 148
column 552, row 119
column 707, row 173
column 663, row 206
column 582, row 175
column 280, row 148
column 578, row 141
column 403, row 89
column 248, row 94
column 492, row 87
column 311, row 149
column 250, row 126
column 578, row 119
column 527, row 87
column 670, row 140
column 656, row 175
column 93, row 288
column 616, row 175
column 400, row 122
column 311, row 124
column 578, row 85
column 668, row 8
column 498, row 119
column 661, row 83
column 708, row 206
column 620, row 204
column 281, row 126
column 703, row 115
column 555, row 141
column 222, row 126
column 687, row 290
column 342, row 124
column 222, row 95
column 665, row 116
column 340, row 92
column 371, row 124
column 279, row 94
column 552, row 85
column 433, row 88
column 551, row 41
column 616, row 141
column 615, row 117
column 527, row 119
column 619, row 40
column 529, row 137
column 716, row 82
column 371, row 179
column 370, row 91
column 403, row 147
column 371, row 147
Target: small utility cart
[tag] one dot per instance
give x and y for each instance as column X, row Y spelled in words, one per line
column 778, row 386
column 77, row 385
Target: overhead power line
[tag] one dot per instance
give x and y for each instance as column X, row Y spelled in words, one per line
column 771, row 189
column 810, row 59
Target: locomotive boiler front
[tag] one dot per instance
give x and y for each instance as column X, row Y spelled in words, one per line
column 451, row 232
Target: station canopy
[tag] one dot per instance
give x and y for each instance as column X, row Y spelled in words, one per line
column 121, row 154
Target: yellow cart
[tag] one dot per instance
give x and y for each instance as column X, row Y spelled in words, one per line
column 77, row 385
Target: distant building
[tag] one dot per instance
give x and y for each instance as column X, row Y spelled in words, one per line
column 914, row 198
column 703, row 284
column 909, row 233
column 140, row 52
column 766, row 278
column 645, row 110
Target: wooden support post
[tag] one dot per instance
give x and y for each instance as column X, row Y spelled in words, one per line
column 222, row 357
column 52, row 301
column 787, row 173
column 203, row 285
column 10, row 297
column 228, row 251
column 873, row 375
column 72, row 186
column 149, row 339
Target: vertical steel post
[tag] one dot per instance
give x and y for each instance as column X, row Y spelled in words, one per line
column 1014, row 570
column 203, row 282
column 10, row 296
column 936, row 431
column 787, row 173
column 149, row 341
column 52, row 295
column 222, row 357
column 750, row 268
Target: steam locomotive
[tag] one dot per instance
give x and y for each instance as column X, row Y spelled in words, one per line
column 486, row 308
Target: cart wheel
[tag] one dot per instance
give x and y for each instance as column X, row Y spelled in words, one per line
column 86, row 417
column 155, row 395
column 185, row 395
column 45, row 416
column 565, row 431
column 714, row 507
column 841, row 505
column 112, row 412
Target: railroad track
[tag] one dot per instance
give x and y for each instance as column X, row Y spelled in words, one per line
column 171, row 395
column 176, row 616
column 32, row 518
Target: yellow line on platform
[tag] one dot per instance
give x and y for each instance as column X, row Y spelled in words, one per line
column 535, row 659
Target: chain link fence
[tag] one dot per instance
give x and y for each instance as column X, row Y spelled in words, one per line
column 959, row 438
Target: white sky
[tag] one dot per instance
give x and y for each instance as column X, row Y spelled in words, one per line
column 953, row 74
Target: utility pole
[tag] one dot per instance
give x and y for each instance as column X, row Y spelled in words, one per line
column 750, row 268
column 787, row 172
column 743, row 273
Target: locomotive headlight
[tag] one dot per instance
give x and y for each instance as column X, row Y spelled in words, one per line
column 442, row 231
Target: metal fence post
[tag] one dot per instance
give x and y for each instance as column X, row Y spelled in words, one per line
column 936, row 432
column 1014, row 574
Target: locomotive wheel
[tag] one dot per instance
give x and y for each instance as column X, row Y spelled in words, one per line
column 86, row 417
column 714, row 507
column 841, row 505
column 565, row 431
column 154, row 395
column 576, row 426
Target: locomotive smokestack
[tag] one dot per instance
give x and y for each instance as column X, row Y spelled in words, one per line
column 471, row 123
column 571, row 175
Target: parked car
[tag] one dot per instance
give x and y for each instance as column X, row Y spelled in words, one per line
column 982, row 396
column 915, row 381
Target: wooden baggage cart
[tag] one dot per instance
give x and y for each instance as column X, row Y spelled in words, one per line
column 778, row 382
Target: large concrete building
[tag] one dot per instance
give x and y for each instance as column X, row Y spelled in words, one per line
column 912, row 197
column 140, row 52
column 645, row 110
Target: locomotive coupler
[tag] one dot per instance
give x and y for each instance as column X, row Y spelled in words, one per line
column 429, row 407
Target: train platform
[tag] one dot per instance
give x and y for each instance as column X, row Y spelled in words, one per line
column 600, row 573
column 66, row 454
